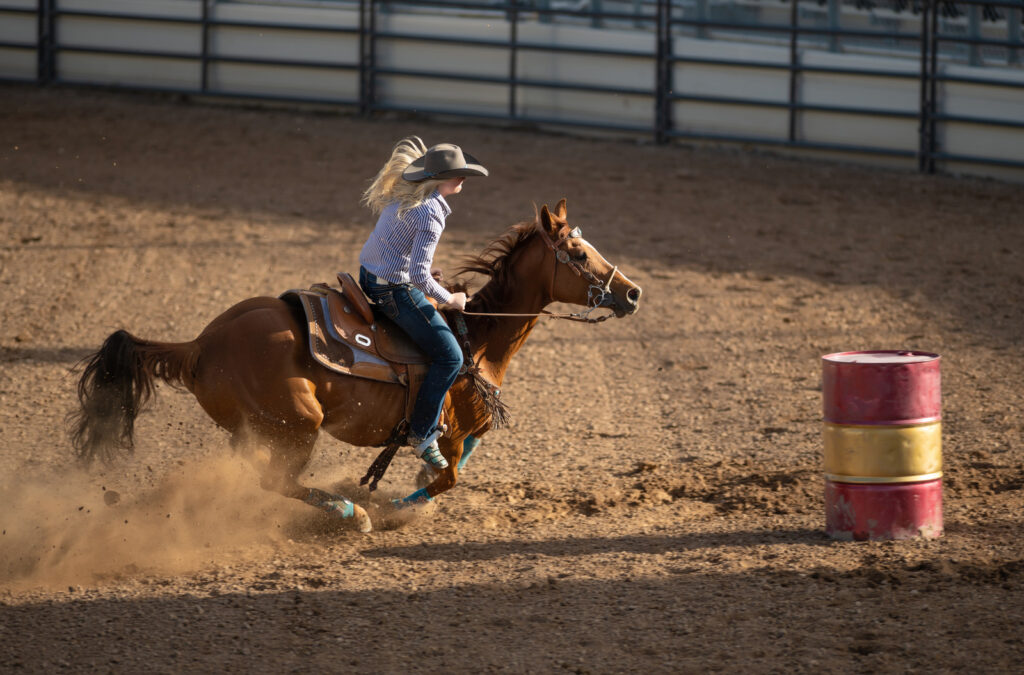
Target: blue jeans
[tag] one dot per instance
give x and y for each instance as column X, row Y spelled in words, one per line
column 408, row 307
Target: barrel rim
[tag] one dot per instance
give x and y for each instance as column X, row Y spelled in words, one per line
column 830, row 358
column 915, row 422
column 883, row 480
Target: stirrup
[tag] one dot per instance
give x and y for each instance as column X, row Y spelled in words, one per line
column 428, row 451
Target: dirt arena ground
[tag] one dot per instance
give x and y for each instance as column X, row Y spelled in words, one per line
column 656, row 504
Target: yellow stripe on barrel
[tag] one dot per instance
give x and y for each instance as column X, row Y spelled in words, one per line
column 881, row 454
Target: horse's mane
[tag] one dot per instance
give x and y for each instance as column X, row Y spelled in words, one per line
column 495, row 262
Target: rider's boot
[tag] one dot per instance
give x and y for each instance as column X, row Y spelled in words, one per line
column 427, row 449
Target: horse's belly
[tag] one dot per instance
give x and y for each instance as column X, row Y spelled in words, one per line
column 360, row 412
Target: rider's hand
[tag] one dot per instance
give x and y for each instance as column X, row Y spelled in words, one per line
column 458, row 302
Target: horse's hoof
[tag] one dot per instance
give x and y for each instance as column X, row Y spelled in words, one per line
column 362, row 519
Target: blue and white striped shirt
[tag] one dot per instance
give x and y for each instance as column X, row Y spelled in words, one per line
column 401, row 250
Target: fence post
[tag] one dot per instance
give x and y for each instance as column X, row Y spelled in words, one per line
column 929, row 89
column 933, row 94
column 974, row 32
column 543, row 16
column 204, row 58
column 663, row 72
column 923, row 109
column 45, row 60
column 513, row 58
column 833, row 24
column 367, row 55
column 362, row 57
column 1013, row 17
column 794, row 66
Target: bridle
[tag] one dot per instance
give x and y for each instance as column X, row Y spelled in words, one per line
column 599, row 294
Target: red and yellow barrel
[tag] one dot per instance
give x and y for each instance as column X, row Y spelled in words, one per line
column 883, row 445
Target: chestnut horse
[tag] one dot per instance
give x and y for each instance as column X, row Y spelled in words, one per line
column 251, row 370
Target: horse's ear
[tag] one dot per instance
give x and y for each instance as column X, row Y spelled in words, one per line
column 547, row 221
column 560, row 209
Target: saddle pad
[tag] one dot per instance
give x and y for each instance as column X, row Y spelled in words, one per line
column 331, row 352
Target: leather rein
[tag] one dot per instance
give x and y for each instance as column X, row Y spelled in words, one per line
column 597, row 294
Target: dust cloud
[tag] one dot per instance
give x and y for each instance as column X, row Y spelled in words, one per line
column 68, row 529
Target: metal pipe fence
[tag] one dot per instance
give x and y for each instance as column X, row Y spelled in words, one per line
column 663, row 20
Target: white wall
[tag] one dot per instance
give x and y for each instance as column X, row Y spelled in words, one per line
column 341, row 84
column 18, row 64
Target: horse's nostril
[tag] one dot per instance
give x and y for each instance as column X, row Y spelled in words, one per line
column 633, row 294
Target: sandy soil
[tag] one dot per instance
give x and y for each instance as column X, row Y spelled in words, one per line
column 657, row 503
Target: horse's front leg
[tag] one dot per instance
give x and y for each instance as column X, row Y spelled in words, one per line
column 435, row 482
column 427, row 473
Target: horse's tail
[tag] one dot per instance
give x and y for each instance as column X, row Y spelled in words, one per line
column 117, row 382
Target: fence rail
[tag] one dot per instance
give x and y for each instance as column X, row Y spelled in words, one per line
column 377, row 37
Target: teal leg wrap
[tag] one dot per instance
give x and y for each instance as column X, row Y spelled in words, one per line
column 332, row 504
column 419, row 497
column 468, row 446
column 341, row 508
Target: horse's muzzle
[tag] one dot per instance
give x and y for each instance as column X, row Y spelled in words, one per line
column 628, row 304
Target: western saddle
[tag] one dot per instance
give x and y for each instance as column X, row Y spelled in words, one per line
column 346, row 336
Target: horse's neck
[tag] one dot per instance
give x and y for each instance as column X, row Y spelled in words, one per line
column 502, row 338
column 505, row 338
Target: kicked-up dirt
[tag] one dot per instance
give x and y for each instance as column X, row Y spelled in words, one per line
column 655, row 506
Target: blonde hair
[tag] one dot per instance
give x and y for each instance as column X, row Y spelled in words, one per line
column 388, row 185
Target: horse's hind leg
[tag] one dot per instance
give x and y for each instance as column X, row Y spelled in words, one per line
column 289, row 454
column 252, row 380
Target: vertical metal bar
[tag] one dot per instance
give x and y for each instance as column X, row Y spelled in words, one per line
column 833, row 24
column 513, row 58
column 54, row 44
column 974, row 32
column 794, row 66
column 596, row 7
column 659, row 76
column 365, row 56
column 922, row 128
column 204, row 62
column 668, row 79
column 46, row 45
column 1013, row 17
column 41, row 40
column 544, row 17
column 371, row 66
column 362, row 60
column 702, row 17
column 662, row 101
column 933, row 87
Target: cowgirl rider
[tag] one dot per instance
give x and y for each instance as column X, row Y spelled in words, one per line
column 408, row 194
